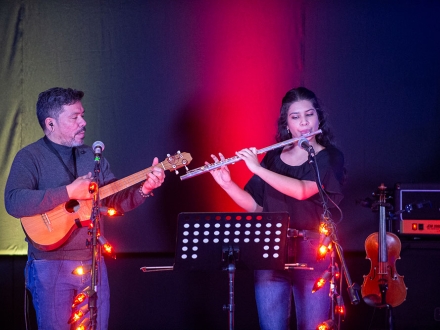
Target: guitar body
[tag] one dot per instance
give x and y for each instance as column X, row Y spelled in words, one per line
column 48, row 231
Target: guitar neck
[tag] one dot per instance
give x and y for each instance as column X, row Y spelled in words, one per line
column 124, row 183
column 171, row 163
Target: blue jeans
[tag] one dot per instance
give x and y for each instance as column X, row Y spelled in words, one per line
column 53, row 287
column 274, row 290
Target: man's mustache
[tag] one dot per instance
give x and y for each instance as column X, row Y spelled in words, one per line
column 81, row 130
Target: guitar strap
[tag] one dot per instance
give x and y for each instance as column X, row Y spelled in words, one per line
column 73, row 175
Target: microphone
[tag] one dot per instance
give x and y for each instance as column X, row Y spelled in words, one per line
column 98, row 148
column 305, row 144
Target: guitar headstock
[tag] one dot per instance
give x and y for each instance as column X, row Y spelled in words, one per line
column 180, row 159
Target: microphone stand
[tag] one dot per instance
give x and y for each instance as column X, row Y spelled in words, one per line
column 351, row 288
column 96, row 251
column 231, row 255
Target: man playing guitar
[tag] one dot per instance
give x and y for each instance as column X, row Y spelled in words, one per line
column 51, row 172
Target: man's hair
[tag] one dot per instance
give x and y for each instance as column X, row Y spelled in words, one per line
column 50, row 102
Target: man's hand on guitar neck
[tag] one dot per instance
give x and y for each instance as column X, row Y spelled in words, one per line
column 79, row 189
column 154, row 178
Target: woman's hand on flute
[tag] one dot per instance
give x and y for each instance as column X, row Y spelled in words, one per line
column 249, row 155
column 221, row 174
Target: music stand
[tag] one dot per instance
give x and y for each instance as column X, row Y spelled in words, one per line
column 230, row 241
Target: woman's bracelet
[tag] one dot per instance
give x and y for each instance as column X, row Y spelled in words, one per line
column 142, row 193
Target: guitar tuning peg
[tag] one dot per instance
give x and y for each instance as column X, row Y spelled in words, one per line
column 177, row 172
column 168, row 155
column 186, row 168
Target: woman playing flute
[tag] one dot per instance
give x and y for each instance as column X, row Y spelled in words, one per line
column 285, row 181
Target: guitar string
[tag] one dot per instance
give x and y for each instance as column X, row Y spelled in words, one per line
column 127, row 182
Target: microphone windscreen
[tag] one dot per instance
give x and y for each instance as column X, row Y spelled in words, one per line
column 98, row 144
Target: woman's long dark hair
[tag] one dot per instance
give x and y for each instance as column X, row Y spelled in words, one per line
column 299, row 94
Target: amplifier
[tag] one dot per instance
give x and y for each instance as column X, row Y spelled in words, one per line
column 420, row 204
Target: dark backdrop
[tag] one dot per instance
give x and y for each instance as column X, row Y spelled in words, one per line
column 208, row 76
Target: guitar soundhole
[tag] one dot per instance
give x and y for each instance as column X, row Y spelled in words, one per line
column 72, row 206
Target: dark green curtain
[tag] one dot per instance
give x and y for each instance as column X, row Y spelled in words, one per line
column 158, row 76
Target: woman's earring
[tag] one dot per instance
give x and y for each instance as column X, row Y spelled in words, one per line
column 288, row 132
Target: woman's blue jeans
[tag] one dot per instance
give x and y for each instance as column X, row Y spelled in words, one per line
column 274, row 290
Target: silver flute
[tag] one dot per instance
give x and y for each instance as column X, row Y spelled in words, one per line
column 232, row 160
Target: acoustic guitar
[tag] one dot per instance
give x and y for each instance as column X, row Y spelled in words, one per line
column 50, row 230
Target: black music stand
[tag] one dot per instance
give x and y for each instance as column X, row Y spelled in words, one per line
column 230, row 241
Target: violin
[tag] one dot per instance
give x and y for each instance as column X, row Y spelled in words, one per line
column 383, row 286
